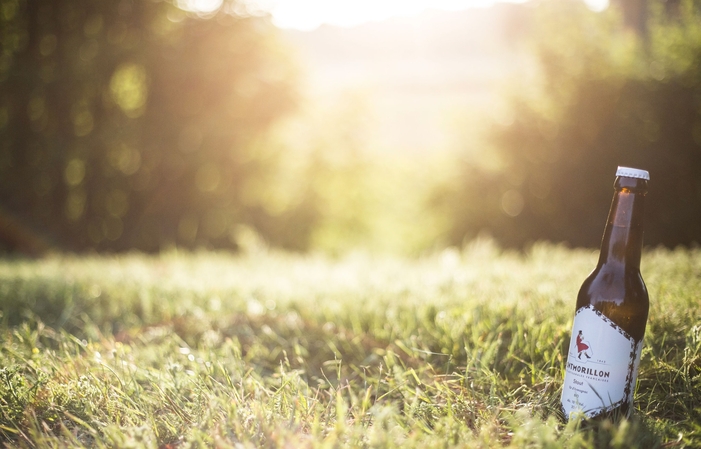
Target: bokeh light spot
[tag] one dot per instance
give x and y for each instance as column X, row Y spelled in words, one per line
column 117, row 203
column 8, row 10
column 48, row 44
column 75, row 172
column 129, row 89
column 112, row 228
column 75, row 204
column 125, row 159
column 93, row 25
column 83, row 121
column 657, row 70
column 512, row 202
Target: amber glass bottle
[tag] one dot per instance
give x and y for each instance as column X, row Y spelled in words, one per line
column 611, row 312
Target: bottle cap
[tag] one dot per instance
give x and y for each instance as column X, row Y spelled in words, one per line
column 633, row 173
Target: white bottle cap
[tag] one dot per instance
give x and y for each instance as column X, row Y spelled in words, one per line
column 633, row 173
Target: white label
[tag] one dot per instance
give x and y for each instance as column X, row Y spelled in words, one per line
column 602, row 364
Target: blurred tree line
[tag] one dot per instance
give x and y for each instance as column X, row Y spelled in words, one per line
column 611, row 92
column 140, row 125
column 137, row 124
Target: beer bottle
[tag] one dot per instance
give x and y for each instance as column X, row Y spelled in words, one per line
column 611, row 312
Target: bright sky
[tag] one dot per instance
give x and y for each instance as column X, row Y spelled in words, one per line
column 309, row 14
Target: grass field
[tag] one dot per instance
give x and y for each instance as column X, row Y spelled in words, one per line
column 456, row 349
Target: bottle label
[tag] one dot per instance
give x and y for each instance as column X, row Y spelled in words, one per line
column 602, row 365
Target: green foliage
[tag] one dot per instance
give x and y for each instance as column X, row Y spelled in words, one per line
column 603, row 97
column 456, row 349
column 134, row 124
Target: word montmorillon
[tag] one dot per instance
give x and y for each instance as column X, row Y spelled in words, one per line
column 588, row 371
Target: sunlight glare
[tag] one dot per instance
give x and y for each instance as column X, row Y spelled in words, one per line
column 597, row 5
column 200, row 6
column 309, row 14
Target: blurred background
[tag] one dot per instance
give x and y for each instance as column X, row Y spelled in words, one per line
column 309, row 125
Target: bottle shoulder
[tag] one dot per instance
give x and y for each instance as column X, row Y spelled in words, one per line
column 614, row 284
column 619, row 294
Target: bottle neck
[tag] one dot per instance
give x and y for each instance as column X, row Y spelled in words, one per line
column 622, row 243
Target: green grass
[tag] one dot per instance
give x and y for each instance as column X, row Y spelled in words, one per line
column 456, row 349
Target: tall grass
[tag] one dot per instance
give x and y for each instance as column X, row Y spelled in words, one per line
column 455, row 349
